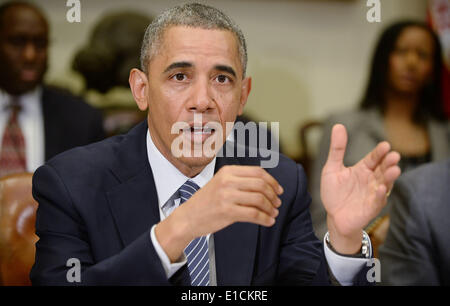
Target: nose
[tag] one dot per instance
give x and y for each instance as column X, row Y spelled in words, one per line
column 29, row 52
column 412, row 59
column 202, row 100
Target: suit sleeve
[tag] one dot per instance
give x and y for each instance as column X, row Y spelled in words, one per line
column 63, row 235
column 302, row 260
column 407, row 254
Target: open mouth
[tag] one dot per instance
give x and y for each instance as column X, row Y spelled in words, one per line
column 28, row 74
column 201, row 130
column 199, row 133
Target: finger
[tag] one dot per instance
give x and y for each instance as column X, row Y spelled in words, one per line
column 374, row 158
column 338, row 144
column 255, row 171
column 380, row 198
column 252, row 215
column 390, row 160
column 256, row 200
column 390, row 175
column 258, row 185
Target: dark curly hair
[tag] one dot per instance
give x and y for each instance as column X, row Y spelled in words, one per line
column 112, row 51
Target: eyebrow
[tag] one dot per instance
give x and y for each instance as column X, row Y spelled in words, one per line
column 178, row 65
column 225, row 68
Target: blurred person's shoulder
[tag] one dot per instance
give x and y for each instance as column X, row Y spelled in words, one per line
column 424, row 192
column 430, row 178
column 59, row 97
column 356, row 118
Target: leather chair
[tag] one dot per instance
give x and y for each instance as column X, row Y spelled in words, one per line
column 17, row 229
column 377, row 232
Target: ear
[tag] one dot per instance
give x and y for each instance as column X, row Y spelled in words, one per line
column 139, row 85
column 245, row 92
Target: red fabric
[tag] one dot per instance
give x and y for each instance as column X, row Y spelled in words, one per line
column 12, row 154
column 446, row 90
column 437, row 18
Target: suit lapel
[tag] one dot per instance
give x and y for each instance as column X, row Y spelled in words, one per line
column 51, row 129
column 133, row 202
column 235, row 246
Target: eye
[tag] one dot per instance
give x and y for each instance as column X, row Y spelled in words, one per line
column 179, row 77
column 424, row 55
column 401, row 50
column 18, row 41
column 222, row 79
column 41, row 43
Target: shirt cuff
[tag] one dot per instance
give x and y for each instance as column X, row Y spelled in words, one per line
column 169, row 268
column 344, row 268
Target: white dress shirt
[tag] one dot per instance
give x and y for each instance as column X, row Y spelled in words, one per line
column 168, row 179
column 31, row 122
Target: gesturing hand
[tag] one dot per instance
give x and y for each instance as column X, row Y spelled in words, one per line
column 352, row 196
column 234, row 194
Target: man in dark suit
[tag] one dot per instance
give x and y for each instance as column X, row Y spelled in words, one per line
column 36, row 121
column 133, row 210
column 416, row 249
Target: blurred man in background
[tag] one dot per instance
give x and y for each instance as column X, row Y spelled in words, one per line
column 36, row 122
column 416, row 250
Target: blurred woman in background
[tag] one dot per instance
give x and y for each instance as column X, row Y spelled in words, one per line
column 402, row 104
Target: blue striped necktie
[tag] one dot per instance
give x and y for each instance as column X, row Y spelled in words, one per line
column 197, row 251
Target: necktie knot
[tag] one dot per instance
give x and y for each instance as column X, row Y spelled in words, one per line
column 187, row 190
column 15, row 107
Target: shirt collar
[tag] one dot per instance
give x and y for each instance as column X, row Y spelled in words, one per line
column 168, row 179
column 29, row 101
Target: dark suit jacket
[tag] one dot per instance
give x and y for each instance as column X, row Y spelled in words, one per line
column 98, row 203
column 417, row 247
column 68, row 122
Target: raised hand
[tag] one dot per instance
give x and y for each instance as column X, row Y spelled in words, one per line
column 234, row 194
column 352, row 196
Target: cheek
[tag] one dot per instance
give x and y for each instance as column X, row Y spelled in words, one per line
column 170, row 104
column 227, row 102
column 394, row 64
column 10, row 56
column 43, row 58
column 426, row 70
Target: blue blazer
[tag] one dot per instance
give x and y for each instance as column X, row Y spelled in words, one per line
column 97, row 203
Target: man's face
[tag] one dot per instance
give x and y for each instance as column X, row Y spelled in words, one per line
column 195, row 71
column 23, row 49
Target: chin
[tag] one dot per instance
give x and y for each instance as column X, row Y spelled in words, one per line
column 25, row 87
column 195, row 162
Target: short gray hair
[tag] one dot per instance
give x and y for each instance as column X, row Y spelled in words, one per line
column 191, row 15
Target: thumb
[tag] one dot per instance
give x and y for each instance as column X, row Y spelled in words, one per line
column 338, row 143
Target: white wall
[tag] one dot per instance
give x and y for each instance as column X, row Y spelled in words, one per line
column 307, row 58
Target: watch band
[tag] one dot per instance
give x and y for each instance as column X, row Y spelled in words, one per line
column 365, row 251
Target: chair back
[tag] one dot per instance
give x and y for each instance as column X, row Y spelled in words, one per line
column 17, row 229
column 377, row 232
column 307, row 141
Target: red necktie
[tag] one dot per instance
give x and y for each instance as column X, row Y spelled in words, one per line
column 12, row 154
